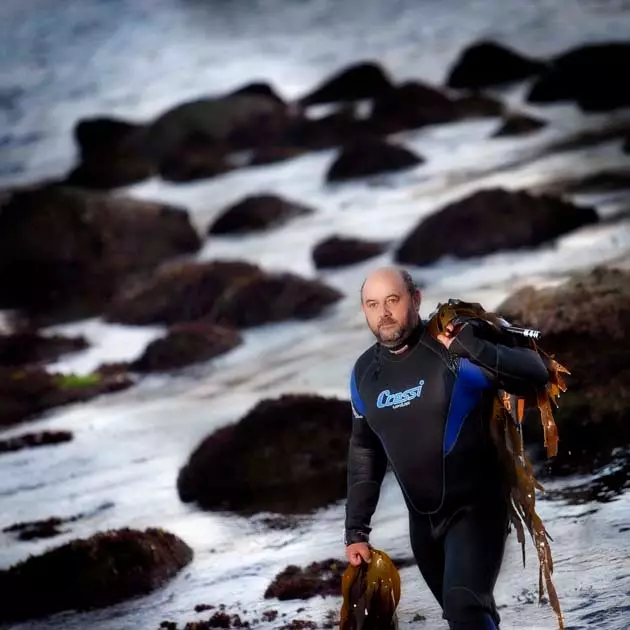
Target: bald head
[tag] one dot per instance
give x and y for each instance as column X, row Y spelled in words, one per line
column 390, row 302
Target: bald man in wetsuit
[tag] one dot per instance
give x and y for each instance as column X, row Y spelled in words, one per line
column 424, row 406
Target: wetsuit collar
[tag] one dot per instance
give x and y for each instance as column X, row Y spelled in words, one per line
column 409, row 343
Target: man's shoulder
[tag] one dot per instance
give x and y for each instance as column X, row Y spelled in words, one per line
column 363, row 362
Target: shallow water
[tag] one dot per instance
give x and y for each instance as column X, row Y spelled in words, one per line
column 101, row 58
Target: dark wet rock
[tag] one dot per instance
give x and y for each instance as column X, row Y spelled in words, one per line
column 370, row 156
column 412, row 105
column 65, row 251
column 364, row 80
column 271, row 155
column 479, row 106
column 321, row 578
column 585, row 323
column 112, row 153
column 237, row 121
column 487, row 63
column 257, row 212
column 27, row 392
column 195, row 157
column 105, row 569
column 602, row 181
column 603, row 488
column 50, row 527
column 490, row 221
column 519, row 125
column 34, row 440
column 335, row 129
column 626, row 145
column 593, row 76
column 32, row 347
column 186, row 344
column 339, row 251
column 286, row 455
column 228, row 293
column 260, row 88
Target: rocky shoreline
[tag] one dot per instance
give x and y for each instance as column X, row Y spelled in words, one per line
column 76, row 248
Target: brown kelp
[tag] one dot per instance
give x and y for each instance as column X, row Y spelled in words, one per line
column 371, row 592
column 507, row 415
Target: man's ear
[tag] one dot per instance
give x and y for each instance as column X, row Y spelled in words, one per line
column 417, row 298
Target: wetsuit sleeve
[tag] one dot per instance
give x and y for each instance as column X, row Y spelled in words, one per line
column 367, row 464
column 519, row 371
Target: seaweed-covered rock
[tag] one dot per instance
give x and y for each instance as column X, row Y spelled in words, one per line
column 585, row 323
column 489, row 221
column 518, row 125
column 29, row 347
column 27, row 392
column 34, row 440
column 255, row 213
column 591, row 75
column 368, row 156
column 64, row 251
column 356, row 82
column 287, row 455
column 185, row 344
column 322, row 578
column 228, row 293
column 112, row 153
column 105, row 569
column 339, row 251
column 487, row 64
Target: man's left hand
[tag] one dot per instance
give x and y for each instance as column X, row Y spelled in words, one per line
column 446, row 338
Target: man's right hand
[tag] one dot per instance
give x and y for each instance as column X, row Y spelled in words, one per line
column 357, row 551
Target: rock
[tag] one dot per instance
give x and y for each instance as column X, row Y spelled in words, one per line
column 228, row 293
column 486, row 64
column 31, row 347
column 26, row 393
column 112, row 153
column 359, row 81
column 369, row 156
column 287, row 455
column 255, row 213
column 274, row 298
column 195, row 157
column 410, row 106
column 602, row 181
column 105, row 569
column 626, row 145
column 585, row 323
column 34, row 440
column 178, row 292
column 260, row 88
column 489, row 221
column 593, row 76
column 339, row 251
column 73, row 248
column 479, row 106
column 186, row 344
column 271, row 155
column 518, row 125
column 341, row 127
column 321, row 578
column 234, row 121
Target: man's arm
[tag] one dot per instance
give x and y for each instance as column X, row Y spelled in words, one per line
column 519, row 371
column 367, row 464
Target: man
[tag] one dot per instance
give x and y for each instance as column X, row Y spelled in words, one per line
column 424, row 406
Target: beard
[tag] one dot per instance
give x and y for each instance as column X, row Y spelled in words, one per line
column 391, row 333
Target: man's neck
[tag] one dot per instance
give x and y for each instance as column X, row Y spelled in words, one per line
column 410, row 340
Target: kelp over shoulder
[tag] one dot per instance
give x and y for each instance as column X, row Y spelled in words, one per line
column 507, row 416
column 371, row 593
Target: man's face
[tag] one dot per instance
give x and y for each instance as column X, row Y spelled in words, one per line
column 391, row 313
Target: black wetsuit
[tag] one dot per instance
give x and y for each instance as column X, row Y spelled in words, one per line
column 427, row 412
